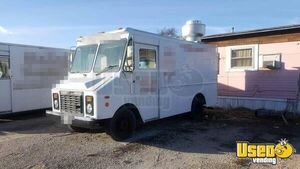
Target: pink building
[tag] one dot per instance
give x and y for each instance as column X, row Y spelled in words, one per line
column 259, row 69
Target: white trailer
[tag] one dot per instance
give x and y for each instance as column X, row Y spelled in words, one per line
column 126, row 77
column 27, row 74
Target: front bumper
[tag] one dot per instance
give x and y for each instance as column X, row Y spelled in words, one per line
column 69, row 119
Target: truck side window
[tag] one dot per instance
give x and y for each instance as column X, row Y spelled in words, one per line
column 4, row 68
column 147, row 59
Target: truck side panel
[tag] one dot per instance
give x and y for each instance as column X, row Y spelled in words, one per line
column 185, row 70
column 34, row 71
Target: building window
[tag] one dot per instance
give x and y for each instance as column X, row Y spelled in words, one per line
column 242, row 58
column 147, row 59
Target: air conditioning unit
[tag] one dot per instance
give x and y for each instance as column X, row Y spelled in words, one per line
column 273, row 64
column 271, row 61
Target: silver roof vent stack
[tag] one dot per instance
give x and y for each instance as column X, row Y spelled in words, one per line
column 193, row 30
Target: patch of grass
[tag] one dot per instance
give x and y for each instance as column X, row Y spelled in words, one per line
column 243, row 162
column 223, row 114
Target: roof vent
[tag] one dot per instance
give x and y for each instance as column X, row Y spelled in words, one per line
column 193, row 30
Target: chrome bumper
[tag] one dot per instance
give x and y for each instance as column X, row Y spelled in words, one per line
column 67, row 118
column 53, row 113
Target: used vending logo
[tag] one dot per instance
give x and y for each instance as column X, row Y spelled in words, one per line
column 264, row 153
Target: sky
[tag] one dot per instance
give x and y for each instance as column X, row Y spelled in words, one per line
column 58, row 23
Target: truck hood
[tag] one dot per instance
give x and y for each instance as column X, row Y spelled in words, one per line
column 83, row 83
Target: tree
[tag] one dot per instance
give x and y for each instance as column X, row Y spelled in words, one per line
column 171, row 32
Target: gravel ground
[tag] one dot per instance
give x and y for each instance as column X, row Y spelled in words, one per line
column 38, row 141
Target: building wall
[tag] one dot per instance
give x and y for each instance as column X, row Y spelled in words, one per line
column 257, row 82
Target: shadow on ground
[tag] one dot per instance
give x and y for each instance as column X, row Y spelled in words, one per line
column 216, row 135
column 30, row 122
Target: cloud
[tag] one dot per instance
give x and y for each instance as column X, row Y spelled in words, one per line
column 218, row 29
column 46, row 30
column 295, row 20
column 4, row 31
column 55, row 36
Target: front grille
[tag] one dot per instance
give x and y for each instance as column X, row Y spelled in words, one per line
column 71, row 102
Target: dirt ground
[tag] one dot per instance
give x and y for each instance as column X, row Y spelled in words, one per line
column 38, row 141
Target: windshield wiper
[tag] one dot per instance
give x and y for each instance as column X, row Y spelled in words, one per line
column 107, row 68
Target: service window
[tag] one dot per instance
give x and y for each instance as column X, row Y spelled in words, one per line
column 4, row 68
column 147, row 59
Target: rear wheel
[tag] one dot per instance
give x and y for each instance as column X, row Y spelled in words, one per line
column 197, row 109
column 122, row 125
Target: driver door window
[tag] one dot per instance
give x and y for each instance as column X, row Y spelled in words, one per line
column 4, row 68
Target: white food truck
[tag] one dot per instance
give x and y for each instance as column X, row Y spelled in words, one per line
column 27, row 75
column 128, row 77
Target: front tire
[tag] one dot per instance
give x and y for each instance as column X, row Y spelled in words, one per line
column 122, row 125
column 197, row 109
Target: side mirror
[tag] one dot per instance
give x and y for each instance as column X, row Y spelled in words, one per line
column 70, row 60
column 71, row 56
column 128, row 64
column 129, row 51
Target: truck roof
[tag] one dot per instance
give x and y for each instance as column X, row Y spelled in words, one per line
column 25, row 45
column 98, row 36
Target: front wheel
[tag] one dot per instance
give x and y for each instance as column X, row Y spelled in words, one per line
column 197, row 109
column 122, row 125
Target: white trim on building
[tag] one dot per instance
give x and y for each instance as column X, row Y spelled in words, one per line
column 255, row 57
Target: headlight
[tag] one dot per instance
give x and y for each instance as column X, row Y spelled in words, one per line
column 55, row 101
column 55, row 104
column 89, row 108
column 89, row 105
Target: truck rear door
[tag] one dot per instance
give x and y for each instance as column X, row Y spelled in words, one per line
column 5, row 81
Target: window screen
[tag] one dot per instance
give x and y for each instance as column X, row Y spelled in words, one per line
column 241, row 58
column 147, row 59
